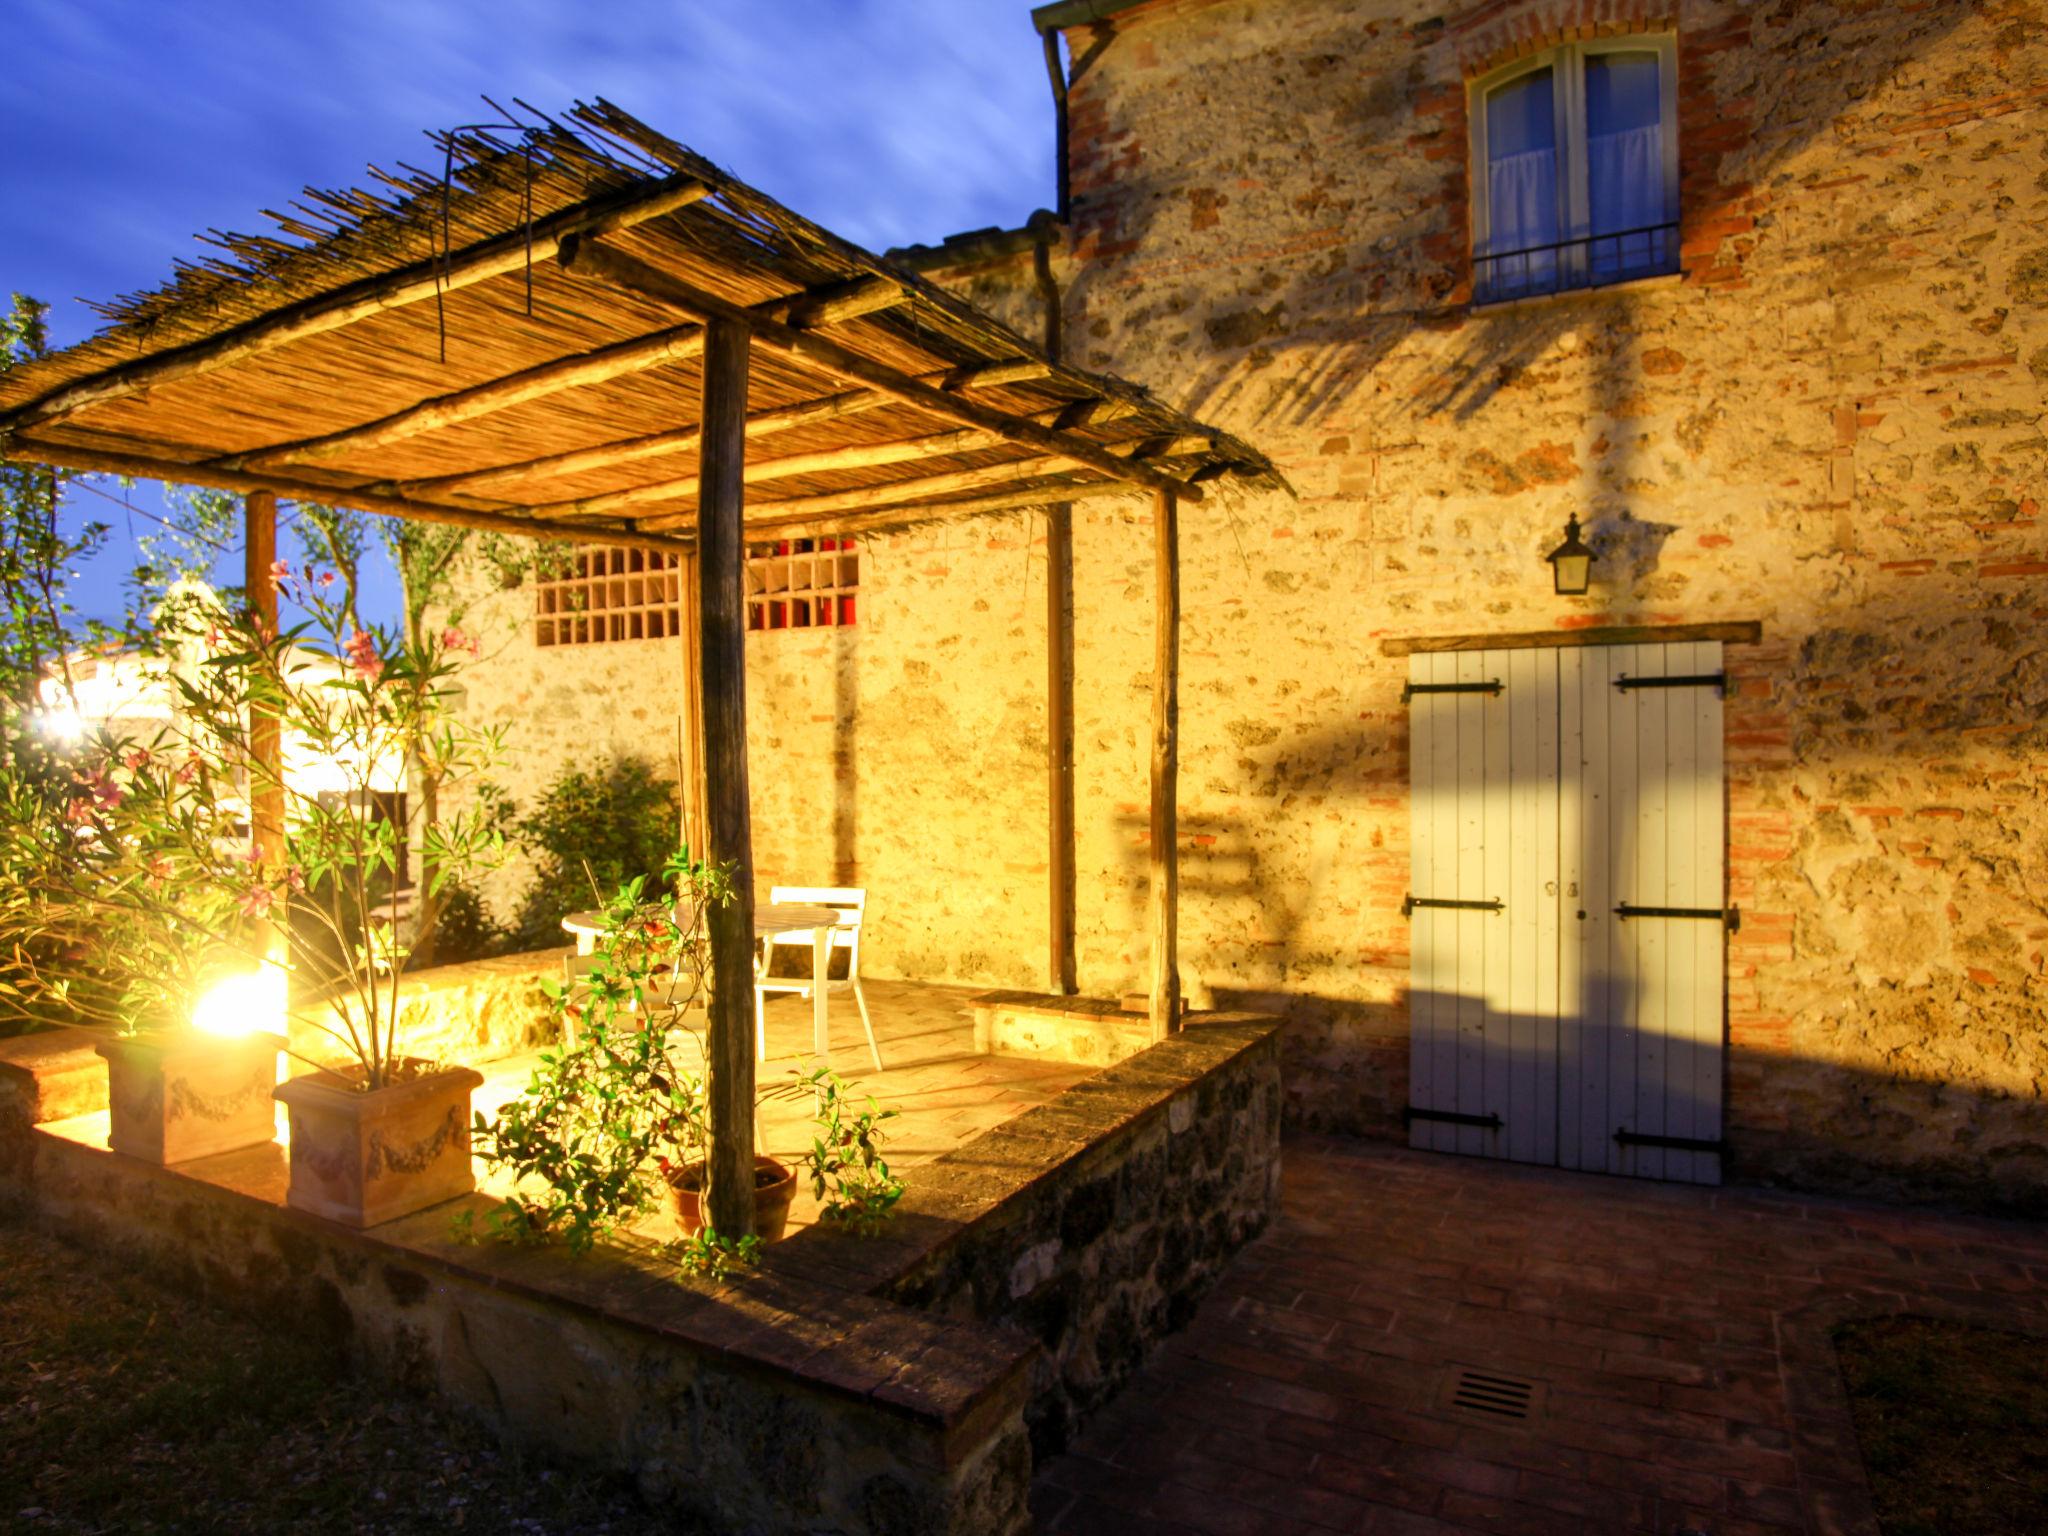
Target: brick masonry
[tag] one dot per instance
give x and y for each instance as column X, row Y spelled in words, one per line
column 1830, row 422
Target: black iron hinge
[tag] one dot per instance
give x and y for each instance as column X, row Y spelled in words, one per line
column 1715, row 680
column 1731, row 917
column 1488, row 1122
column 1628, row 1138
column 1409, row 904
column 1491, row 685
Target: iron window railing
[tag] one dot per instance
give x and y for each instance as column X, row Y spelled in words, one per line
column 1584, row 261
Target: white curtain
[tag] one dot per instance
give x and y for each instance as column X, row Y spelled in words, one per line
column 1625, row 165
column 1521, row 191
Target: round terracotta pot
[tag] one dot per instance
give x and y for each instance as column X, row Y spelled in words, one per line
column 774, row 1188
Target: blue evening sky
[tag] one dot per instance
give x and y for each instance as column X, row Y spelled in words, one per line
column 132, row 124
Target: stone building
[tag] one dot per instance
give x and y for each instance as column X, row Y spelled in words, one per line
column 1788, row 377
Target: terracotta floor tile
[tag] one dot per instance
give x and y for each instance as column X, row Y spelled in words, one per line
column 1652, row 1320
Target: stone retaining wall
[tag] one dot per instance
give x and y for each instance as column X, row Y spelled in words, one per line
column 898, row 1383
column 474, row 1012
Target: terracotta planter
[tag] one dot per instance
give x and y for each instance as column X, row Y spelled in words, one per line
column 363, row 1158
column 183, row 1094
column 774, row 1188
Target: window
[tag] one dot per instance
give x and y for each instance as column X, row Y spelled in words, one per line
column 801, row 583
column 1575, row 168
column 633, row 594
column 610, row 594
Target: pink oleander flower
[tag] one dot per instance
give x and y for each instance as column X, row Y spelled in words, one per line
column 280, row 572
column 363, row 660
column 189, row 769
column 455, row 640
column 135, row 759
column 295, row 879
column 79, row 811
column 257, row 901
column 326, row 578
column 100, row 785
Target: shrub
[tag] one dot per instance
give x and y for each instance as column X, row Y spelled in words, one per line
column 609, row 824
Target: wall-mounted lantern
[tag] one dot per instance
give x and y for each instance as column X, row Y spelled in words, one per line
column 1571, row 563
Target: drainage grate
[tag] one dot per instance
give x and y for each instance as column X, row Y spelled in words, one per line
column 1489, row 1392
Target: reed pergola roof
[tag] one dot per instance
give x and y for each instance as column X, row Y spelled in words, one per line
column 513, row 343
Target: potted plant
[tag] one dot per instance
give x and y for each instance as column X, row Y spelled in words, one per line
column 617, row 1108
column 152, row 877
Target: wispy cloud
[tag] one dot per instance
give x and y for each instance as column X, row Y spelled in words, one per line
column 143, row 123
column 132, row 125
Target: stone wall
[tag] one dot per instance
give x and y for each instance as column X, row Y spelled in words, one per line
column 467, row 1014
column 1110, row 1250
column 898, row 1382
column 1829, row 422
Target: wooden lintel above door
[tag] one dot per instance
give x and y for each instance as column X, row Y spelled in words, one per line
column 1738, row 632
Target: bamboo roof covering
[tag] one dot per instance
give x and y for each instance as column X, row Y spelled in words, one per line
column 514, row 343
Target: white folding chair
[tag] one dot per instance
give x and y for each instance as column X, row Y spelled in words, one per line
column 796, row 955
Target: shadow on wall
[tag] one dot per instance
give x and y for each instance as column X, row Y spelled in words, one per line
column 1827, row 1126
column 1325, row 328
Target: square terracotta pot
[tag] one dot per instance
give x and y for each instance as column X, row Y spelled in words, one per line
column 183, row 1094
column 363, row 1158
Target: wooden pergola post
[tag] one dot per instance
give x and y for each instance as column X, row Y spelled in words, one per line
column 690, row 769
column 1063, row 976
column 266, row 782
column 1165, row 765
column 721, row 560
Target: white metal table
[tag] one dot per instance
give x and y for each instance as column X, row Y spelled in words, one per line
column 769, row 918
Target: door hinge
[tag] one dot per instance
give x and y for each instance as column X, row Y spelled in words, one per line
column 1628, row 1138
column 1409, row 904
column 1731, row 917
column 1715, row 680
column 1411, row 1114
column 1491, row 685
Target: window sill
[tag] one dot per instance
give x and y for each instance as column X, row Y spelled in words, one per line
column 1656, row 282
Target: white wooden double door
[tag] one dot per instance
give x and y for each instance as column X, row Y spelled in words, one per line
column 1557, row 794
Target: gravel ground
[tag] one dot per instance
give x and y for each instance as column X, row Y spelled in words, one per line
column 127, row 1407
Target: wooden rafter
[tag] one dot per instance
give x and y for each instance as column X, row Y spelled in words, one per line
column 763, row 520
column 658, row 349
column 359, row 300
column 96, row 461
column 1037, row 467
column 631, row 450
column 589, row 258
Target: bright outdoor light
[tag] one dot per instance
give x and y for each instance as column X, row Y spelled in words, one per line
column 247, row 1003
column 1571, row 563
column 62, row 722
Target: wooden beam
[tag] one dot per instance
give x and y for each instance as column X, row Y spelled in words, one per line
column 360, row 300
column 266, row 784
column 674, row 345
column 1062, row 976
column 589, row 258
column 691, row 769
column 1165, row 765
column 658, row 349
column 722, row 559
column 629, row 450
column 874, row 495
column 760, row 523
column 860, row 498
column 1734, row 632
column 135, row 466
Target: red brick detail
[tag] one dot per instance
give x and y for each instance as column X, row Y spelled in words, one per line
column 1497, row 32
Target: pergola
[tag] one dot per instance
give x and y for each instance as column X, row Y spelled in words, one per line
column 590, row 333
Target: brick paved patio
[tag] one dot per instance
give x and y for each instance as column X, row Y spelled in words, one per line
column 1676, row 1341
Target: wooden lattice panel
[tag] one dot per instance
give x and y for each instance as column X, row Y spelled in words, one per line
column 802, row 583
column 611, row 594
